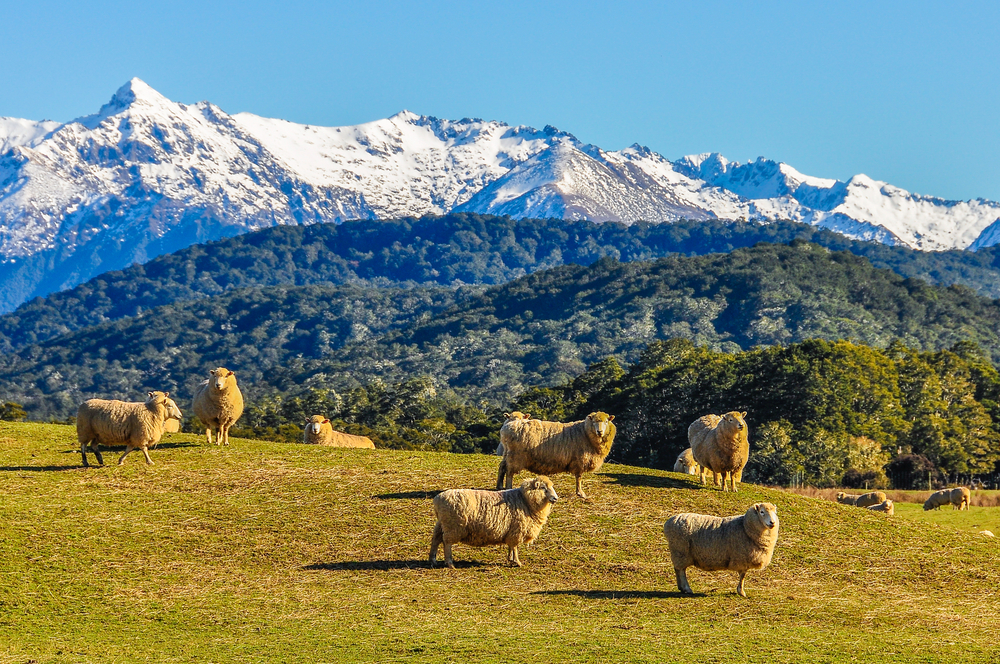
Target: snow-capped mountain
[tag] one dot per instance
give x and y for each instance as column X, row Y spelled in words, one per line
column 145, row 176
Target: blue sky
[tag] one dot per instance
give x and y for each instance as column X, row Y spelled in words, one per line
column 906, row 92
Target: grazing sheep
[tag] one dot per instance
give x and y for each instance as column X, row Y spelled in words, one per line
column 937, row 499
column 546, row 447
column 961, row 498
column 870, row 498
column 516, row 415
column 483, row 518
column 720, row 445
column 710, row 543
column 319, row 431
column 137, row 425
column 174, row 416
column 218, row 403
column 686, row 464
column 848, row 498
column 885, row 506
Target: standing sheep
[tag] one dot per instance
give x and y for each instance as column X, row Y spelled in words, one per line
column 721, row 445
column 710, row 543
column 484, row 518
column 218, row 403
column 686, row 464
column 886, row 506
column 516, row 415
column 137, row 425
column 961, row 498
column 174, row 416
column 937, row 499
column 319, row 431
column 546, row 447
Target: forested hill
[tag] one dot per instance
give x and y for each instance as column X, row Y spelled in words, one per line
column 437, row 251
column 541, row 329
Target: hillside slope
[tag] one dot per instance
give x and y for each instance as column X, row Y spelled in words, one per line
column 265, row 552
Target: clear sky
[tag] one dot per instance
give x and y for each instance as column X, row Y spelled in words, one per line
column 906, row 92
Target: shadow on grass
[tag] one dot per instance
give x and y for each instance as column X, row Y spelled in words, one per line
column 619, row 594
column 654, row 481
column 40, row 469
column 121, row 448
column 407, row 495
column 385, row 565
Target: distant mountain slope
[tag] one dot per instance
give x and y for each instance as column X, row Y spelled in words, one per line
column 543, row 328
column 145, row 176
column 437, row 251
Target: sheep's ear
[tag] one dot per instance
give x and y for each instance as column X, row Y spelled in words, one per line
column 166, row 395
column 326, row 421
column 149, row 394
column 230, row 374
column 527, row 416
column 743, row 414
column 611, row 418
column 506, row 416
column 212, row 372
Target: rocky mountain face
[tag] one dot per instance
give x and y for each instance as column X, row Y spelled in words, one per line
column 146, row 176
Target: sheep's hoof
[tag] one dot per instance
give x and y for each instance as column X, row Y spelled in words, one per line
column 581, row 494
column 450, row 565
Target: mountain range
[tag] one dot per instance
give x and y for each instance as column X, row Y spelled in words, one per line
column 145, row 176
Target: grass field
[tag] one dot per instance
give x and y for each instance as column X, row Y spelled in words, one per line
column 265, row 552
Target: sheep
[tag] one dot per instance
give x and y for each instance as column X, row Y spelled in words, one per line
column 937, row 499
column 218, row 403
column 319, row 431
column 720, row 445
column 137, row 425
column 174, row 416
column 885, row 506
column 987, row 533
column 686, row 464
column 483, row 518
column 516, row 415
column 848, row 498
column 961, row 497
column 870, row 498
column 546, row 447
column 711, row 543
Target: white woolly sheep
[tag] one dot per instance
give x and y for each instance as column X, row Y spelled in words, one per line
column 484, row 518
column 886, row 506
column 516, row 415
column 961, row 498
column 721, row 446
column 319, row 431
column 686, row 464
column 137, row 425
column 218, row 403
column 937, row 499
column 550, row 448
column 711, row 543
column 174, row 416
column 987, row 533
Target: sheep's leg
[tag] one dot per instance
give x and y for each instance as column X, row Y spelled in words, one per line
column 145, row 453
column 682, row 581
column 121, row 459
column 739, row 586
column 501, row 473
column 515, row 561
column 510, row 475
column 448, row 562
column 579, row 487
column 702, row 474
column 83, row 453
column 436, row 540
column 208, row 434
column 95, row 447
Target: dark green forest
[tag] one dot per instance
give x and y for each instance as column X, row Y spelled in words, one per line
column 438, row 251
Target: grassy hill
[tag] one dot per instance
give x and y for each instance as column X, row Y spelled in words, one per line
column 271, row 552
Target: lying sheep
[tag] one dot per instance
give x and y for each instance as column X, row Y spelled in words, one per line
column 711, row 543
column 218, row 403
column 885, row 506
column 960, row 497
column 720, row 445
column 483, row 518
column 137, row 425
column 870, row 498
column 319, row 431
column 987, row 533
column 937, row 499
column 516, row 415
column 174, row 416
column 848, row 498
column 686, row 464
column 546, row 447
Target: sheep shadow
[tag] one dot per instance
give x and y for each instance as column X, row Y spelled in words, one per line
column 385, row 565
column 653, row 481
column 40, row 469
column 620, row 594
column 408, row 495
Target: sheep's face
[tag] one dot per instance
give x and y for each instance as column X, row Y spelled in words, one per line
column 173, row 412
column 767, row 514
column 316, row 423
column 542, row 487
column 600, row 422
column 220, row 376
column 735, row 420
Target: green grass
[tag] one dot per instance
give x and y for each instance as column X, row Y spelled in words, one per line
column 267, row 552
column 972, row 520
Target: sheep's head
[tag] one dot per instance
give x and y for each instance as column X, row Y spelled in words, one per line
column 600, row 422
column 840, row 495
column 173, row 412
column 516, row 415
column 539, row 490
column 766, row 513
column 157, row 398
column 735, row 419
column 316, row 423
column 220, row 376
